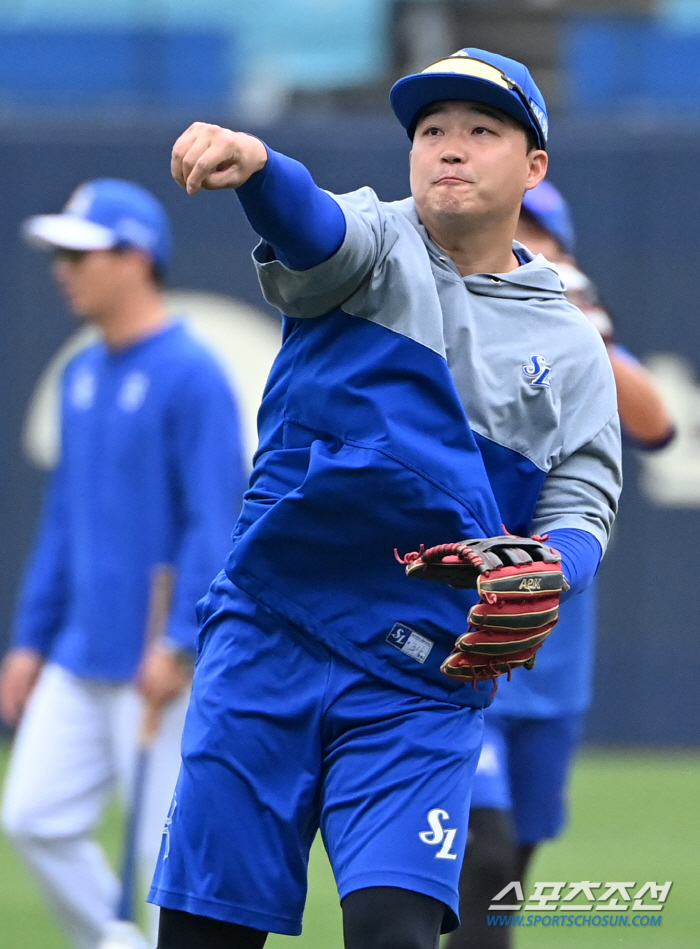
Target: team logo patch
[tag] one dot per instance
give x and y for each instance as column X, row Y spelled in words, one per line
column 410, row 642
column 538, row 371
column 133, row 391
column 82, row 390
column 439, row 836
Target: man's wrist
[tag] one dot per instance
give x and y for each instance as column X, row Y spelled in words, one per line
column 184, row 655
column 259, row 154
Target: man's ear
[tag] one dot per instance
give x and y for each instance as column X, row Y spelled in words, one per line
column 538, row 160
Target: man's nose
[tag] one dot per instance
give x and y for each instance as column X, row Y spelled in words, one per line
column 452, row 158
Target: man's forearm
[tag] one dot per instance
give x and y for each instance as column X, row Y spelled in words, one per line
column 642, row 409
column 302, row 223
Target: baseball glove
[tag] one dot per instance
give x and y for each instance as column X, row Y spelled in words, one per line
column 519, row 580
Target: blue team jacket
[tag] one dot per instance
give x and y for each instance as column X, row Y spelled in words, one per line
column 151, row 471
column 366, row 442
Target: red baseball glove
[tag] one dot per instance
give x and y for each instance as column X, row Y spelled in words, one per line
column 519, row 580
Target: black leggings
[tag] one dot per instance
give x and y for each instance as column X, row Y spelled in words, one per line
column 378, row 917
column 490, row 863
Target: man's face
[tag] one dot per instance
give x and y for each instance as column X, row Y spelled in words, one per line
column 92, row 281
column 470, row 161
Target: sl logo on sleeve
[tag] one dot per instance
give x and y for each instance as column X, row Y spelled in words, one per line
column 439, row 835
column 538, row 371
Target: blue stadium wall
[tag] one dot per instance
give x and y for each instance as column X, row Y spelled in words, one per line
column 635, row 195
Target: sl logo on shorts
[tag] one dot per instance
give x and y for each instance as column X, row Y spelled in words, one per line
column 439, row 835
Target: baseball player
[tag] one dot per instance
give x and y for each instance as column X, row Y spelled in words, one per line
column 533, row 728
column 425, row 357
column 151, row 472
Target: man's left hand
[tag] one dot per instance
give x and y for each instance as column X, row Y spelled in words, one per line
column 519, row 580
column 163, row 675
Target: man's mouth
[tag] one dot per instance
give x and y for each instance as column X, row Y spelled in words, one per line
column 453, row 179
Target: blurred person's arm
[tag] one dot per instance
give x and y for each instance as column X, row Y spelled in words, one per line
column 209, row 476
column 41, row 607
column 643, row 413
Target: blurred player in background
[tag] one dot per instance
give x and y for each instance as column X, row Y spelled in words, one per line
column 534, row 726
column 151, row 472
column 318, row 698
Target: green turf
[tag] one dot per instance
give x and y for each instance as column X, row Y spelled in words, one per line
column 634, row 817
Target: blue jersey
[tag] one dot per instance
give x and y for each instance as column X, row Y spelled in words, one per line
column 398, row 384
column 151, row 471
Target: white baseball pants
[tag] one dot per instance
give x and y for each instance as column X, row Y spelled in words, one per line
column 76, row 744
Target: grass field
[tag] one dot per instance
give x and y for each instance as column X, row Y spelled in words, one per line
column 634, row 817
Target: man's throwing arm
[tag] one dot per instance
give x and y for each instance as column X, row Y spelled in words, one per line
column 302, row 223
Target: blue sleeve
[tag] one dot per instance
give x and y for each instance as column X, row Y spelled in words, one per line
column 580, row 556
column 44, row 593
column 210, row 476
column 303, row 224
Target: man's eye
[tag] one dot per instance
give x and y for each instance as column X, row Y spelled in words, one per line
column 481, row 130
column 433, row 130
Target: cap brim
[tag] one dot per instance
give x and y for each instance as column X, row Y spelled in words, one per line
column 410, row 95
column 66, row 230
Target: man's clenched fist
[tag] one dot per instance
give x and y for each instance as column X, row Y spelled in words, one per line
column 211, row 157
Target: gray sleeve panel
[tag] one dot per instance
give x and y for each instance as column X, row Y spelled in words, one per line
column 382, row 272
column 314, row 292
column 591, row 395
column 583, row 491
column 401, row 292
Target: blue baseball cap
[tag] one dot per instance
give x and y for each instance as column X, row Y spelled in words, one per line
column 478, row 76
column 103, row 215
column 551, row 211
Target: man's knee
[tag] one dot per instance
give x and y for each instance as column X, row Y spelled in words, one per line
column 386, row 917
column 24, row 824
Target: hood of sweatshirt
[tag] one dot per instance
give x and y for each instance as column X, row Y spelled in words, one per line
column 536, row 278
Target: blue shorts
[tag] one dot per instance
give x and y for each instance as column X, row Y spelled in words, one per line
column 523, row 768
column 282, row 737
